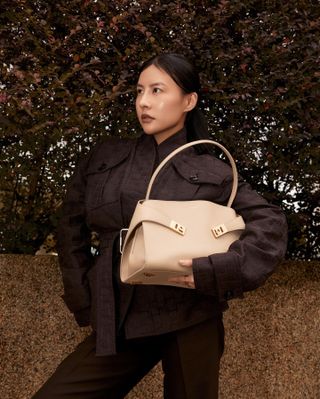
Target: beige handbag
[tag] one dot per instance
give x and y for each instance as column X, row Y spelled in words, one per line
column 162, row 232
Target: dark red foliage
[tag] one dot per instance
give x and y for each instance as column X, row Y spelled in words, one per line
column 68, row 71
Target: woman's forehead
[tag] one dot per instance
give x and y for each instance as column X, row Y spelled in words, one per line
column 153, row 76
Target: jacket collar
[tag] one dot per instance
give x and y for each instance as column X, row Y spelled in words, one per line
column 168, row 145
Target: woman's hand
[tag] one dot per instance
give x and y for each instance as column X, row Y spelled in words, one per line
column 187, row 280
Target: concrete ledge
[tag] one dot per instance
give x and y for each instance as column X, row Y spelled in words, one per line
column 272, row 336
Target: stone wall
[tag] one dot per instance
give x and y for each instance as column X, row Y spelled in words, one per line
column 272, row 336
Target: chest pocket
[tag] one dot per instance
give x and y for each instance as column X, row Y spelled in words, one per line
column 202, row 182
column 103, row 183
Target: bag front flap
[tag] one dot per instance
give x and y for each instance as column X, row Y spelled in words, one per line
column 181, row 215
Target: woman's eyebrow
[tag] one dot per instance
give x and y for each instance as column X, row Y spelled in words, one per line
column 152, row 85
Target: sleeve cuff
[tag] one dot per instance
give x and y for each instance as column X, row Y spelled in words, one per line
column 227, row 272
column 82, row 317
column 203, row 274
column 218, row 275
column 77, row 298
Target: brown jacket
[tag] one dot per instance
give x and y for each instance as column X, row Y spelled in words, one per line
column 102, row 196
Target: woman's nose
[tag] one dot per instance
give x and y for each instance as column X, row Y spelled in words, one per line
column 144, row 100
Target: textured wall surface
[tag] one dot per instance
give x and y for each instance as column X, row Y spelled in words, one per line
column 272, row 336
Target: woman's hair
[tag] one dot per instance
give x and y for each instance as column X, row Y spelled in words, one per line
column 187, row 78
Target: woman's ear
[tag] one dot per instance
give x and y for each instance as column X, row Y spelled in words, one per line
column 192, row 99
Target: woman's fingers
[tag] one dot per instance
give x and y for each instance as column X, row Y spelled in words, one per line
column 185, row 262
column 186, row 280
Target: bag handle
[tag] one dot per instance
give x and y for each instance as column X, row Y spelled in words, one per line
column 192, row 143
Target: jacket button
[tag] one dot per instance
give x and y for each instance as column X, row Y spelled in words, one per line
column 228, row 295
column 102, row 166
column 194, row 178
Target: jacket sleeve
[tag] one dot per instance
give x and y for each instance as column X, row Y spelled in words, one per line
column 74, row 247
column 249, row 260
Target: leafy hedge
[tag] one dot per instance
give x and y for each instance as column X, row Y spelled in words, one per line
column 68, row 77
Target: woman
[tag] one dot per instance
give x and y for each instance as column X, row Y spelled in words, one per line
column 137, row 326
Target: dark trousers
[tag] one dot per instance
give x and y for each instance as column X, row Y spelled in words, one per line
column 190, row 362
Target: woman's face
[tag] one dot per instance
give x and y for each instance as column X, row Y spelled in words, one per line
column 161, row 105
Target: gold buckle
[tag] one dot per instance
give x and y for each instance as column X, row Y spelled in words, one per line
column 177, row 227
column 219, row 230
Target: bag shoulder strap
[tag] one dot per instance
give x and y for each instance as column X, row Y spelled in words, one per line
column 192, row 143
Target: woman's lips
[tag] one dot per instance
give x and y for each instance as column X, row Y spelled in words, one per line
column 146, row 118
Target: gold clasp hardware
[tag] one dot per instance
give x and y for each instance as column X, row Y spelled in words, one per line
column 219, row 230
column 178, row 228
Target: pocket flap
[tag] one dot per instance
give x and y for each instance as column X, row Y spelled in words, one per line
column 109, row 155
column 197, row 173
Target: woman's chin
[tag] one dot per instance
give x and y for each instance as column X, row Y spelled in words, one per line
column 149, row 131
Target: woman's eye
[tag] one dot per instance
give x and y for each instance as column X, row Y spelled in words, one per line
column 139, row 91
column 156, row 90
